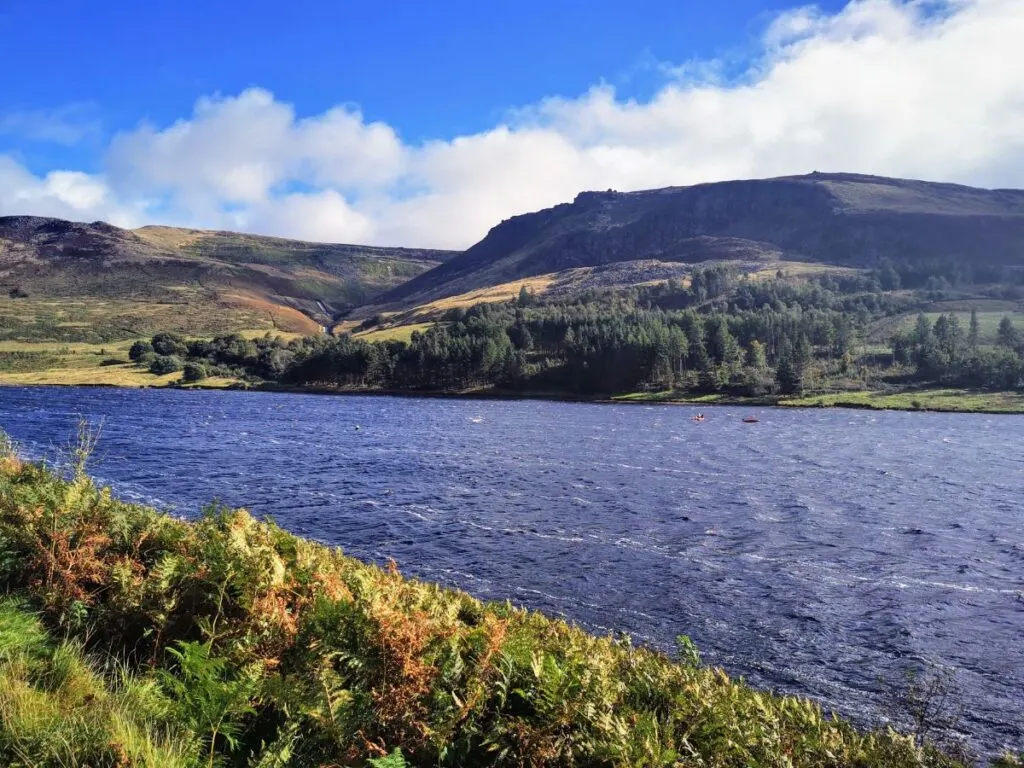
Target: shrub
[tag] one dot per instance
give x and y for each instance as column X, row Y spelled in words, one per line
column 139, row 350
column 370, row 322
column 169, row 344
column 194, row 372
column 164, row 364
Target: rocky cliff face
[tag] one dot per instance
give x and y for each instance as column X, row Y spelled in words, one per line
column 842, row 219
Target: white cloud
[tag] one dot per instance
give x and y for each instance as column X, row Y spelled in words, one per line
column 338, row 148
column 228, row 152
column 237, row 150
column 323, row 216
column 921, row 88
column 64, row 194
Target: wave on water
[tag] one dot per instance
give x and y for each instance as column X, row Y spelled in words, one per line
column 809, row 564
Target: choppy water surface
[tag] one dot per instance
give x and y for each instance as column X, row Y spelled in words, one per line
column 813, row 552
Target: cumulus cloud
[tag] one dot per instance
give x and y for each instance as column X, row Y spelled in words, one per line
column 240, row 149
column 921, row 88
column 323, row 216
column 64, row 194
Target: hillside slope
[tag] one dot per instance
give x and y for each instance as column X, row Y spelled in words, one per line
column 96, row 282
column 842, row 219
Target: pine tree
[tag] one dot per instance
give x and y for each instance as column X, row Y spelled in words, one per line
column 787, row 373
column 922, row 330
column 1007, row 335
column 756, row 357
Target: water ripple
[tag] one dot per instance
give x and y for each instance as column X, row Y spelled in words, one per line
column 813, row 554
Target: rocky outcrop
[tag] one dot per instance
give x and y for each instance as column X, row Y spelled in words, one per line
column 842, row 219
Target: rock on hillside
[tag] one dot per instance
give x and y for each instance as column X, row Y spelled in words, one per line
column 841, row 219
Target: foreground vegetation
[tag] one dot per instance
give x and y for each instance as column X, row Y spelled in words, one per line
column 131, row 638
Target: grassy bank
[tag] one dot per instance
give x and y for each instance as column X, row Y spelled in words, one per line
column 51, row 363
column 131, row 638
column 945, row 400
column 949, row 400
column 91, row 365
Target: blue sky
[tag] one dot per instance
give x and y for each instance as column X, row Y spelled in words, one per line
column 425, row 123
column 430, row 69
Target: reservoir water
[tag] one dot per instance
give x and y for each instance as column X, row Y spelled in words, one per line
column 820, row 552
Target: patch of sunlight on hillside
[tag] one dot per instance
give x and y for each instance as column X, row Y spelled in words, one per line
column 126, row 375
column 398, row 333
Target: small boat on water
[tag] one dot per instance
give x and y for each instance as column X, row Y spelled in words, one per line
column 698, row 417
column 750, row 420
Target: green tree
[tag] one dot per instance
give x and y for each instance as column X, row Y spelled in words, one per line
column 165, row 364
column 922, row 330
column 525, row 339
column 723, row 346
column 756, row 357
column 889, row 278
column 787, row 373
column 194, row 372
column 846, row 362
column 972, row 334
column 902, row 349
column 803, row 353
column 678, row 348
column 949, row 337
column 139, row 350
column 1006, row 335
column 169, row 344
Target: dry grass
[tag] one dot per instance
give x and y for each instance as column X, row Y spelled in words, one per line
column 283, row 318
column 397, row 333
column 952, row 400
column 169, row 237
column 103, row 321
column 259, row 333
column 425, row 314
column 66, row 348
column 126, row 375
column 502, row 292
column 345, row 326
column 213, row 382
column 797, row 269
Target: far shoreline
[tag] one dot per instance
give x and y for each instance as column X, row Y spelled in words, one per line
column 934, row 400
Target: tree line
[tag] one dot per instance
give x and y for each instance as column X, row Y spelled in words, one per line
column 945, row 353
column 716, row 332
